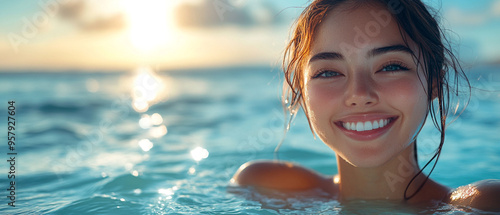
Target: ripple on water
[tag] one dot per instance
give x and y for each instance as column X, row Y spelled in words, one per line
column 227, row 116
column 126, row 183
column 102, row 204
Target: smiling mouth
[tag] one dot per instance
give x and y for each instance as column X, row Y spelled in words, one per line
column 364, row 129
column 366, row 125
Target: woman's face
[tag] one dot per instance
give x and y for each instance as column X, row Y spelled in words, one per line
column 365, row 97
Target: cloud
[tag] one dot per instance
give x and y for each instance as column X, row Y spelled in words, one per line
column 114, row 22
column 83, row 15
column 72, row 10
column 218, row 13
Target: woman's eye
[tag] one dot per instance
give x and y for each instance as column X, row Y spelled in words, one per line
column 393, row 68
column 326, row 74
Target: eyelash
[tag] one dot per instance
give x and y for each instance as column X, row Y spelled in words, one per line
column 400, row 65
column 321, row 72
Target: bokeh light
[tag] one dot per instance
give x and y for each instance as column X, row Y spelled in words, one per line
column 199, row 153
column 145, row 144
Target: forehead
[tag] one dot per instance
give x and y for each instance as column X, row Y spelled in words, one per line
column 359, row 27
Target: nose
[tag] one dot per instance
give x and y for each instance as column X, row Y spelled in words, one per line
column 361, row 92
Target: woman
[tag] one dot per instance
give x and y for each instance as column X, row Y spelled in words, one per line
column 365, row 73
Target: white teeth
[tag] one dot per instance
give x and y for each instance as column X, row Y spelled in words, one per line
column 368, row 126
column 360, row 126
column 365, row 126
column 352, row 126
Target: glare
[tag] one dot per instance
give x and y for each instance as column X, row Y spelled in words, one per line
column 137, row 191
column 336, row 179
column 192, row 170
column 146, row 89
column 167, row 192
column 199, row 153
column 156, row 119
column 150, row 23
column 145, row 121
column 145, row 144
column 146, row 85
column 140, row 106
column 464, row 192
column 158, row 132
column 135, row 173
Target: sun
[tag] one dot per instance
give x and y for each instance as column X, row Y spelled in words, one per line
column 150, row 23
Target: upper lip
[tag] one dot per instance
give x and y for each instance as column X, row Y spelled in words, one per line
column 364, row 117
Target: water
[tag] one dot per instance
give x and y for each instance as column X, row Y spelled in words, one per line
column 84, row 146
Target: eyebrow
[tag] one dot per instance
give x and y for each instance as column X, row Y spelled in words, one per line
column 371, row 53
column 326, row 56
column 386, row 49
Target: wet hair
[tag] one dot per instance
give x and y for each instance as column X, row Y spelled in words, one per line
column 441, row 68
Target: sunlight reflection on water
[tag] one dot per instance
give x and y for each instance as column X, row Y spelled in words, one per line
column 145, row 144
column 199, row 153
column 158, row 132
column 222, row 114
column 146, row 89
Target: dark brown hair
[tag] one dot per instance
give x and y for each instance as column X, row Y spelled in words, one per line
column 414, row 21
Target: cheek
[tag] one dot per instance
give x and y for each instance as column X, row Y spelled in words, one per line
column 322, row 101
column 322, row 97
column 406, row 92
column 410, row 98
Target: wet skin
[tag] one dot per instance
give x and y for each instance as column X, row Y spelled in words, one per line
column 368, row 103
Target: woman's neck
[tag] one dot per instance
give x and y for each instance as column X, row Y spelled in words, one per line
column 388, row 181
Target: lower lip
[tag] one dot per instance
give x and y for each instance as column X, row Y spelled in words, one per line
column 366, row 135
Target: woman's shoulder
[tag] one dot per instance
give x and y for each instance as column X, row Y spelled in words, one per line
column 280, row 175
column 483, row 195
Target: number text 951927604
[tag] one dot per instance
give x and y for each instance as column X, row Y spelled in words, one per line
column 11, row 153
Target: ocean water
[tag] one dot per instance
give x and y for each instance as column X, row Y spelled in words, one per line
column 143, row 142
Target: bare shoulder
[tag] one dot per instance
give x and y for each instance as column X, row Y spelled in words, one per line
column 483, row 195
column 280, row 175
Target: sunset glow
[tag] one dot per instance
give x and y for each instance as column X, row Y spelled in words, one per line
column 150, row 23
column 118, row 35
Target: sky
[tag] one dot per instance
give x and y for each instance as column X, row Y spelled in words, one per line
column 109, row 35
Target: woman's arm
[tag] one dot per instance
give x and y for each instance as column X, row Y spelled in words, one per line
column 278, row 175
column 483, row 195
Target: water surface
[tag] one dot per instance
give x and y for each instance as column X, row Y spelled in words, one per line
column 139, row 143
